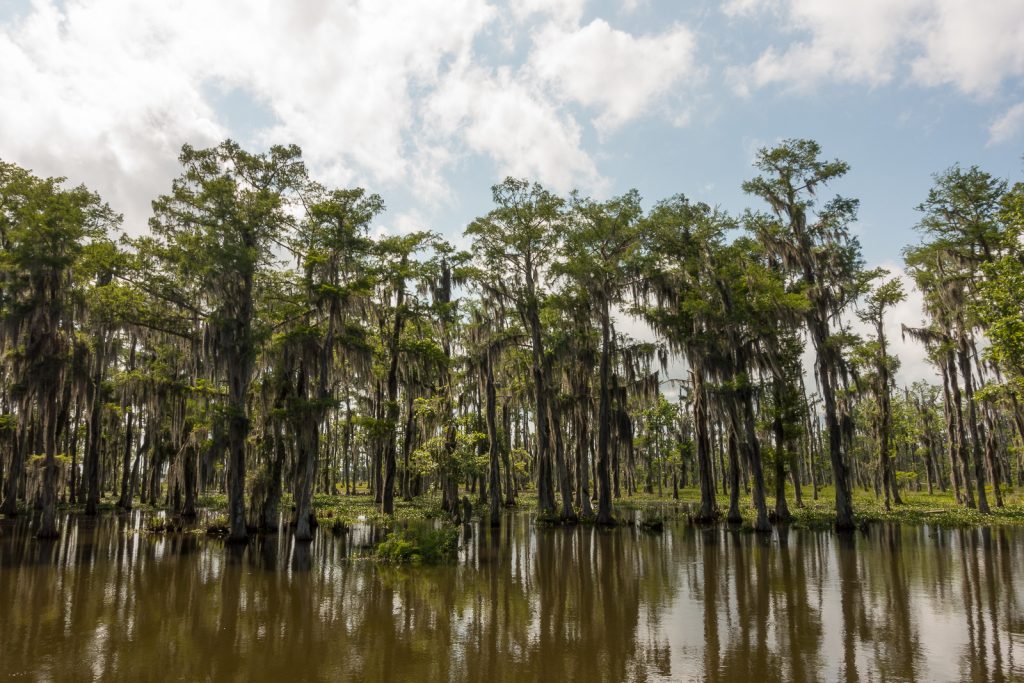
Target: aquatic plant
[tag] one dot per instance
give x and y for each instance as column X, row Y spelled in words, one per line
column 418, row 545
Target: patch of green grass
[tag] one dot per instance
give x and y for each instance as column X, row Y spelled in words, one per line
column 418, row 545
column 362, row 509
column 157, row 524
column 336, row 526
column 218, row 526
column 919, row 507
column 339, row 512
column 213, row 501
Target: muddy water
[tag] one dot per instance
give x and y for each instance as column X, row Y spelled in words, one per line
column 109, row 601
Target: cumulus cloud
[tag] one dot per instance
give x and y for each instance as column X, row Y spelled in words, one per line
column 974, row 47
column 500, row 115
column 386, row 95
column 856, row 42
column 618, row 73
column 402, row 223
column 107, row 90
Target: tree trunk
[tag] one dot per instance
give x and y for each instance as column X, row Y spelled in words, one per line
column 827, row 362
column 239, row 373
column 189, row 480
column 490, row 401
column 506, row 456
column 307, row 445
column 564, row 480
column 840, row 471
column 582, row 448
column 778, row 427
column 708, row 501
column 545, row 496
column 92, row 453
column 604, row 499
column 391, row 408
column 972, row 424
column 123, row 501
column 753, row 450
column 18, row 451
column 48, row 519
column 133, row 477
column 992, row 456
column 734, row 516
column 957, row 467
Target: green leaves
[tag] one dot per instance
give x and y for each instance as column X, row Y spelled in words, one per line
column 517, row 240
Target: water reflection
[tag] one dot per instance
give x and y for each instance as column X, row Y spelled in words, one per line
column 107, row 600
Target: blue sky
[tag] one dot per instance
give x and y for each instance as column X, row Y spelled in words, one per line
column 428, row 103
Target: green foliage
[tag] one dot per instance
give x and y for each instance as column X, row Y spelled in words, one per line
column 165, row 524
column 260, row 309
column 652, row 524
column 418, row 545
column 336, row 526
column 218, row 526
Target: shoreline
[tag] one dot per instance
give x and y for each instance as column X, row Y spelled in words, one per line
column 919, row 508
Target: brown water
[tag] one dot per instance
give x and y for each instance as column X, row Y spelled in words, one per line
column 110, row 602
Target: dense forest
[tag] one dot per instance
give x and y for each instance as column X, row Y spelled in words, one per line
column 260, row 341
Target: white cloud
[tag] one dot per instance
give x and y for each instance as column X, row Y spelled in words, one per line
column 499, row 114
column 973, row 46
column 107, row 89
column 1008, row 126
column 620, row 74
column 386, row 95
column 849, row 41
column 402, row 223
column 82, row 99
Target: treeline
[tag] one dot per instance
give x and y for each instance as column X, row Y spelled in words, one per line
column 258, row 341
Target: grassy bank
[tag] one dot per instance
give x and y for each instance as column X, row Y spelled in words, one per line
column 938, row 509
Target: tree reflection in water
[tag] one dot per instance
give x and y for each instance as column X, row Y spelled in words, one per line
column 523, row 603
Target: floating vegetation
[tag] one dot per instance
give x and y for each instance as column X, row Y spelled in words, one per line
column 418, row 545
column 218, row 526
column 161, row 524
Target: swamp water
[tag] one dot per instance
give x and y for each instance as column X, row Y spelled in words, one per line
column 110, row 601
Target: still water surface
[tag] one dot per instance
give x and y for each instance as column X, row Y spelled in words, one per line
column 108, row 601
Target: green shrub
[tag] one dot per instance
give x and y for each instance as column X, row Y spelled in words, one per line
column 417, row 545
column 218, row 526
column 156, row 524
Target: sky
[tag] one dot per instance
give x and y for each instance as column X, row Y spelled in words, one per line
column 430, row 102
